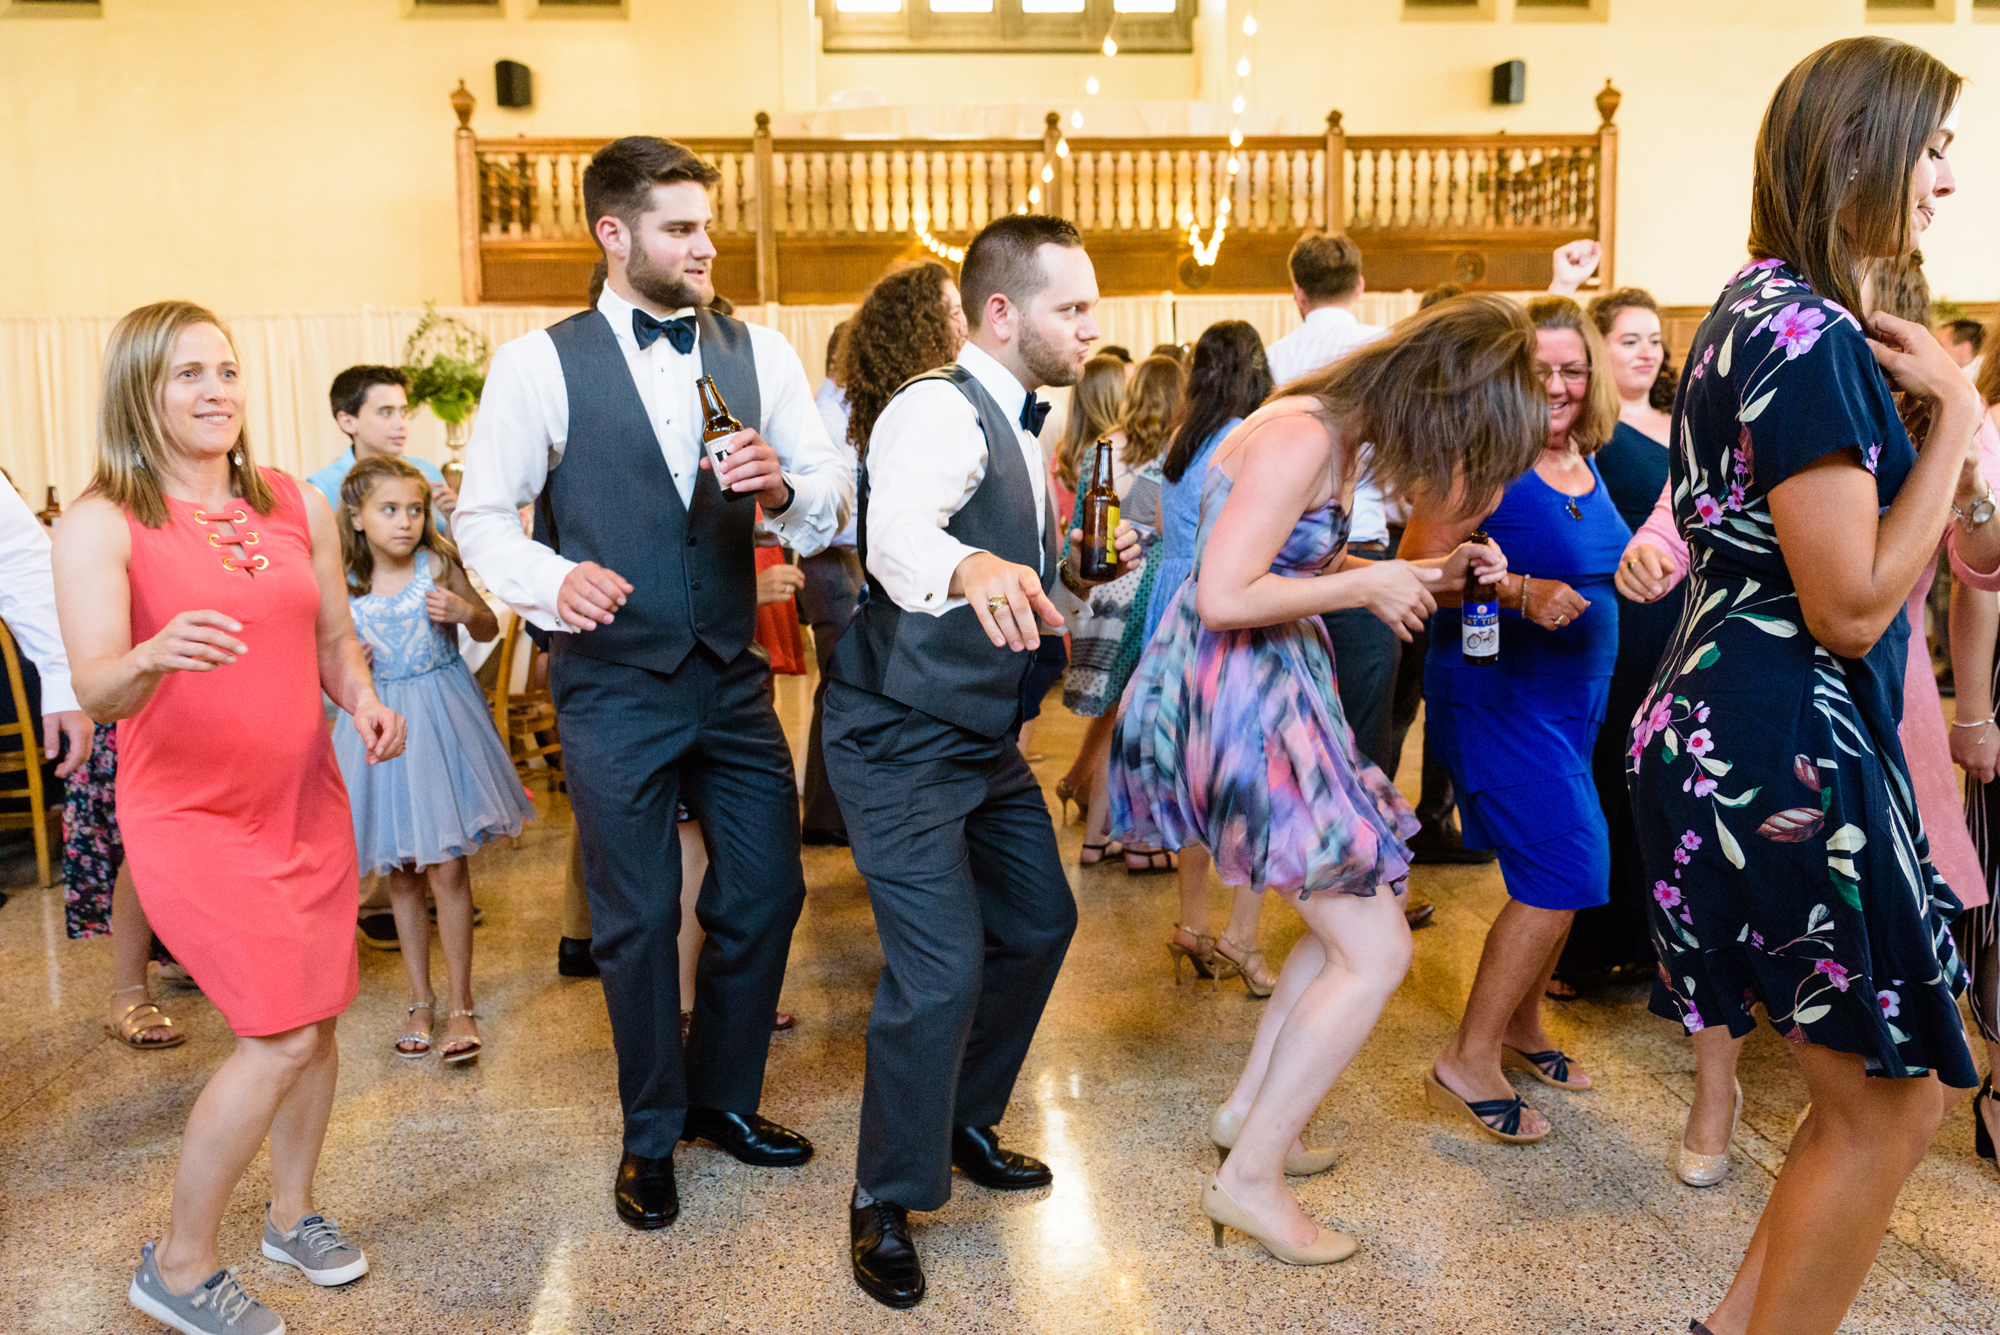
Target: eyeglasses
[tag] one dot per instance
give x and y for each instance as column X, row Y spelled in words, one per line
column 1573, row 374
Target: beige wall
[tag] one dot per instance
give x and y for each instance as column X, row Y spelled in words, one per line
column 296, row 154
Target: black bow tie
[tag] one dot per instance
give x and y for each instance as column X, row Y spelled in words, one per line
column 679, row 331
column 1033, row 413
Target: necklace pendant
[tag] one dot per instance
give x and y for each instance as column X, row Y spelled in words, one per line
column 1570, row 505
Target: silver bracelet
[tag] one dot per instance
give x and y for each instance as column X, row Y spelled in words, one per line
column 1976, row 723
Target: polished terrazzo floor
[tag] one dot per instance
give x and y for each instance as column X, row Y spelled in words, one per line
column 482, row 1194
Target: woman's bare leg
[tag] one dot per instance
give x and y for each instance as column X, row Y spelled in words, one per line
column 1332, row 989
column 1512, row 968
column 230, row 1119
column 131, row 948
column 1833, row 1199
column 413, row 932
column 1714, row 1110
column 1524, row 1029
column 298, row 1132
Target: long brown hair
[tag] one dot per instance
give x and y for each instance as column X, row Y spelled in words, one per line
column 1448, row 397
column 133, row 450
column 1836, row 155
column 1152, row 402
column 1598, row 417
column 1095, row 406
column 355, row 553
column 1227, row 378
column 900, row 330
column 1604, row 312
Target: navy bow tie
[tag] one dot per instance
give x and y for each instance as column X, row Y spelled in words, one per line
column 1033, row 413
column 679, row 331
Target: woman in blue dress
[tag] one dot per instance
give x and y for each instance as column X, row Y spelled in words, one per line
column 1517, row 737
column 1775, row 813
column 1227, row 379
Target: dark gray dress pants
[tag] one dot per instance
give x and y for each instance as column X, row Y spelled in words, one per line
column 826, row 602
column 975, row 915
column 632, row 740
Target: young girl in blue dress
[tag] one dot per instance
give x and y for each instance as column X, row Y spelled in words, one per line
column 416, row 819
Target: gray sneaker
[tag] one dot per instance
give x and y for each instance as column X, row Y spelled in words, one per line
column 217, row 1306
column 315, row 1247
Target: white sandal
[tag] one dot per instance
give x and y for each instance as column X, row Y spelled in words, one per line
column 461, row 1049
column 420, row 1037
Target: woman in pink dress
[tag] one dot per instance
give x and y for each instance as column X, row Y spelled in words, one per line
column 204, row 607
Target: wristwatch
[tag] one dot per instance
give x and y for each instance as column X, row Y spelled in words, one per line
column 1982, row 510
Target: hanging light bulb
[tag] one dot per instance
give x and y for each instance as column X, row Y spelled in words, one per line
column 1090, row 85
column 1110, row 47
column 1034, row 196
column 1236, row 138
column 1062, row 150
column 1049, row 173
column 1249, row 25
column 1076, row 118
column 1237, row 105
column 1234, row 165
column 1243, row 68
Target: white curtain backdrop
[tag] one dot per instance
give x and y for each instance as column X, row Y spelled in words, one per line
column 50, row 366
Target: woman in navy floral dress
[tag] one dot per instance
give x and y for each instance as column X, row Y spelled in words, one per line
column 1775, row 816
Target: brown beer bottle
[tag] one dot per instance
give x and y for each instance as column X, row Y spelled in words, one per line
column 1479, row 617
column 1099, row 561
column 51, row 512
column 717, row 426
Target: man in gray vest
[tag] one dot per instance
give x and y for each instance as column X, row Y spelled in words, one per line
column 959, row 543
column 643, row 569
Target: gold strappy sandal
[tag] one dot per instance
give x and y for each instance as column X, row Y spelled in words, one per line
column 143, row 1018
column 461, row 1049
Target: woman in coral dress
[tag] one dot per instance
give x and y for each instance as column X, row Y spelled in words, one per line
column 203, row 606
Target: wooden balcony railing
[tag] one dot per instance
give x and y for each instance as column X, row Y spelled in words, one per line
column 817, row 220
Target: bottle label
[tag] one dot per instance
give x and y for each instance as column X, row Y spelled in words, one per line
column 718, row 452
column 1479, row 630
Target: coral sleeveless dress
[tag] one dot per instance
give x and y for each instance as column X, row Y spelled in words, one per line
column 233, row 813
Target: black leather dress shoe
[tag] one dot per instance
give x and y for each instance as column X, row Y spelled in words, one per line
column 1443, row 847
column 885, row 1260
column 645, row 1191
column 573, row 958
column 976, row 1152
column 824, row 838
column 749, row 1137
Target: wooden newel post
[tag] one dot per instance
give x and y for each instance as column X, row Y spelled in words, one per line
column 767, row 235
column 1052, row 189
column 1608, row 99
column 1336, row 175
column 465, row 151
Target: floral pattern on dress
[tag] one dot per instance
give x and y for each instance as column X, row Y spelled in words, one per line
column 1779, row 829
column 92, row 850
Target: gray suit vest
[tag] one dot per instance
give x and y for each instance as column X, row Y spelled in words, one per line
column 612, row 500
column 945, row 665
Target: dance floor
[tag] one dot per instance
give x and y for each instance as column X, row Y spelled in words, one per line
column 482, row 1194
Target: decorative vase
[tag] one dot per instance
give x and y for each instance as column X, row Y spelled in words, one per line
column 456, row 436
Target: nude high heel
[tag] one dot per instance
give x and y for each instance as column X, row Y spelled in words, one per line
column 1206, row 963
column 1705, row 1170
column 1223, row 1212
column 1226, row 1126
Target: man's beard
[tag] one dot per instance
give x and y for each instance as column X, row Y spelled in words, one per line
column 1044, row 361
column 656, row 285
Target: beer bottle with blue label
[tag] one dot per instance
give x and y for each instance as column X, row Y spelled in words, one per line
column 1479, row 616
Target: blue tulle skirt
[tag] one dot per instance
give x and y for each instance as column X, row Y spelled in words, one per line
column 451, row 790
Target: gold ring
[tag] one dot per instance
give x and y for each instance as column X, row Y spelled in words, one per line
column 995, row 604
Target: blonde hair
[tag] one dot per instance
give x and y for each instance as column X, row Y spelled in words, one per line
column 1094, row 408
column 1448, row 397
column 1151, row 406
column 1598, row 417
column 355, row 553
column 133, row 449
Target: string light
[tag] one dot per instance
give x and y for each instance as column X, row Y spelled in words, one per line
column 956, row 254
column 1110, row 47
column 1249, row 26
column 1076, row 119
column 1243, row 68
column 1238, row 105
column 1236, row 138
column 1090, row 85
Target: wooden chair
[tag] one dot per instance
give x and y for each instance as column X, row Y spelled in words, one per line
column 40, row 816
column 521, row 709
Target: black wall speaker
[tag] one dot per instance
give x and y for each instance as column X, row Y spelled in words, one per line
column 514, row 84
column 1510, row 83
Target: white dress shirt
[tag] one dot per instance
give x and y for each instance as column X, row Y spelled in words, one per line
column 28, row 599
column 834, row 412
column 926, row 456
column 523, row 427
column 1330, row 333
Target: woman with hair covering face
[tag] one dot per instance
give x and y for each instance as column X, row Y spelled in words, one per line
column 1774, row 806
column 1233, row 734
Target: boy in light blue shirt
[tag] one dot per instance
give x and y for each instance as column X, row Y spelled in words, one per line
column 371, row 406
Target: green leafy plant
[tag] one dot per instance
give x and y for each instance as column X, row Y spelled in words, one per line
column 445, row 359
